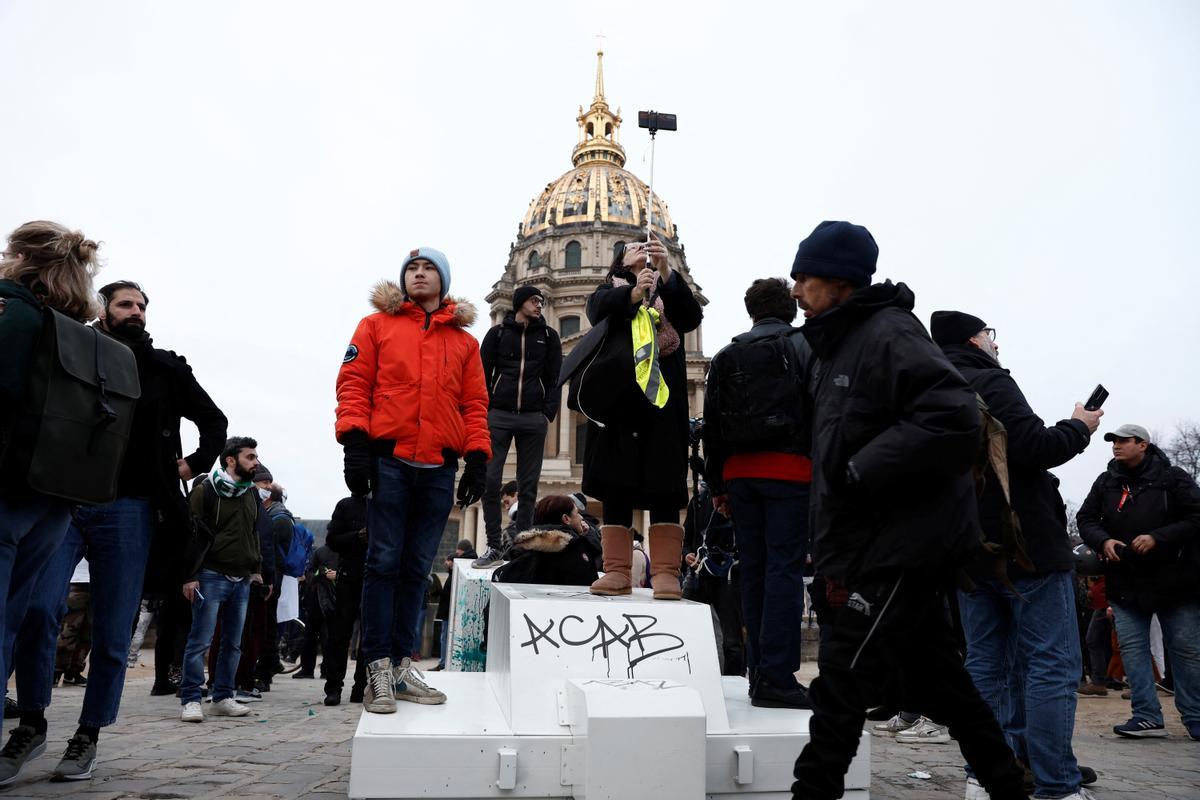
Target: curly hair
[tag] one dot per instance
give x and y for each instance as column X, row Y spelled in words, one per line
column 56, row 264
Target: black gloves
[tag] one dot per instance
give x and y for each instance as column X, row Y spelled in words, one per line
column 473, row 480
column 358, row 466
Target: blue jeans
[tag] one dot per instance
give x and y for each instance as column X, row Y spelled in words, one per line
column 406, row 517
column 1024, row 657
column 116, row 538
column 771, row 522
column 31, row 528
column 1181, row 636
column 228, row 599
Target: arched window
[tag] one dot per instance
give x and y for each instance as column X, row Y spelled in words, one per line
column 568, row 326
column 574, row 255
column 590, row 132
column 535, row 261
column 608, row 130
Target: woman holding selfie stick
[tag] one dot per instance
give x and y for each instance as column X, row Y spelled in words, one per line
column 641, row 461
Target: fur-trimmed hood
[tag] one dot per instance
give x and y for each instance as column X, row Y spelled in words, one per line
column 542, row 540
column 388, row 297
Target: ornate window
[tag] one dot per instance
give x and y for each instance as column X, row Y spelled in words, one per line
column 535, row 261
column 574, row 255
column 568, row 326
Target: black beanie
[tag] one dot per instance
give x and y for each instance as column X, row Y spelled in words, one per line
column 953, row 327
column 261, row 473
column 838, row 250
column 523, row 293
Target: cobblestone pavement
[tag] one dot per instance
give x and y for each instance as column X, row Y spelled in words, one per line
column 292, row 746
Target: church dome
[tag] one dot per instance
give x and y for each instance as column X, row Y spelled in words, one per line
column 596, row 191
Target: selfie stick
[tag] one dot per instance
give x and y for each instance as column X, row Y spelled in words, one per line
column 654, row 121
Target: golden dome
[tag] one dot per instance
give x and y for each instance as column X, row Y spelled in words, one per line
column 598, row 189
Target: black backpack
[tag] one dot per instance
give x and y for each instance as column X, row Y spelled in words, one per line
column 761, row 389
column 72, row 427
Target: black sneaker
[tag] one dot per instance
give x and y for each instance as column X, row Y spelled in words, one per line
column 334, row 699
column 1140, row 729
column 356, row 694
column 161, row 689
column 78, row 762
column 1087, row 776
column 304, row 675
column 24, row 744
column 10, row 709
column 767, row 695
column 74, row 679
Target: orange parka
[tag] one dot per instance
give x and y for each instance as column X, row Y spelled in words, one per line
column 416, row 379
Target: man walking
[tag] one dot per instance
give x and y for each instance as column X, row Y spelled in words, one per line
column 220, row 589
column 756, row 442
column 1026, row 632
column 521, row 359
column 1143, row 516
column 411, row 402
column 895, row 433
column 117, row 536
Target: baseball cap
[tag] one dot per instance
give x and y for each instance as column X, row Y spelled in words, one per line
column 1127, row 431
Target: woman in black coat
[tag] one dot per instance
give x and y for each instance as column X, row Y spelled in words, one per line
column 642, row 462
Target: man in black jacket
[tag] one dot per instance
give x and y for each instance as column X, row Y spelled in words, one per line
column 346, row 536
column 117, row 536
column 1036, row 625
column 1143, row 516
column 895, row 430
column 521, row 359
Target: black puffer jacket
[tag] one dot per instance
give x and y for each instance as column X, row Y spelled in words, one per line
column 1161, row 500
column 548, row 554
column 1033, row 448
column 645, row 463
column 344, row 536
column 890, row 409
column 521, row 364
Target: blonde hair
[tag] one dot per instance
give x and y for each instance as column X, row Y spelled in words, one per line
column 56, row 264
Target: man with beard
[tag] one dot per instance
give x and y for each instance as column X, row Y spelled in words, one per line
column 1023, row 634
column 895, row 432
column 117, row 535
column 220, row 588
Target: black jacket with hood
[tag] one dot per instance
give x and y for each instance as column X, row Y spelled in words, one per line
column 521, row 364
column 1154, row 498
column 548, row 554
column 1033, row 448
column 343, row 536
column 895, row 431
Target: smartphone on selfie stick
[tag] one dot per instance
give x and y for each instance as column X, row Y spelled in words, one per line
column 654, row 121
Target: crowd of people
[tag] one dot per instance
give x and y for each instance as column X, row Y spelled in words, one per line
column 897, row 470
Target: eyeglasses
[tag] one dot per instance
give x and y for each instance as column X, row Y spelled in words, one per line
column 990, row 333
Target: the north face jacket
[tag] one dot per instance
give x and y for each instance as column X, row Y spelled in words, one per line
column 889, row 410
column 521, row 365
column 414, row 379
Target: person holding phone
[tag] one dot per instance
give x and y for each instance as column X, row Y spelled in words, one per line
column 641, row 462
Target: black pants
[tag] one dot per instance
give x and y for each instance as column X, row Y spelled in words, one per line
column 173, row 623
column 316, row 634
column 268, row 658
column 529, row 429
column 1099, row 645
column 341, row 628
column 895, row 627
column 724, row 597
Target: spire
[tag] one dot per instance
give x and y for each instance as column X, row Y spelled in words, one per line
column 599, row 127
column 599, row 98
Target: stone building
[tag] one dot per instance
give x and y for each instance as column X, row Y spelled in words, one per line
column 564, row 246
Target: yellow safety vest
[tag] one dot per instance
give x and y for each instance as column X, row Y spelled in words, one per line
column 646, row 369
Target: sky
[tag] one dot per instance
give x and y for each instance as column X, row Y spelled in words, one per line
column 259, row 166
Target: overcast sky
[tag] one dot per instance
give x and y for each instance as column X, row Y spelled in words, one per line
column 258, row 166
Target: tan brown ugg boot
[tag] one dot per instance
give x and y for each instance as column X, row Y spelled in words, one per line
column 617, row 542
column 666, row 548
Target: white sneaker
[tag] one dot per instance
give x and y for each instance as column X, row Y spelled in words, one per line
column 975, row 791
column 192, row 712
column 893, row 726
column 926, row 731
column 1082, row 794
column 229, row 708
column 380, row 694
column 409, row 684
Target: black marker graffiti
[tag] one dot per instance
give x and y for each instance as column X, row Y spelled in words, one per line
column 635, row 637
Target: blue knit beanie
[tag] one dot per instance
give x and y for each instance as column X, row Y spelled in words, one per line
column 435, row 257
column 838, row 250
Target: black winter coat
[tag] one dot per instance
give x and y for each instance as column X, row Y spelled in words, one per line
column 1162, row 501
column 645, row 463
column 891, row 410
column 1033, row 448
column 344, row 537
column 521, row 364
column 548, row 554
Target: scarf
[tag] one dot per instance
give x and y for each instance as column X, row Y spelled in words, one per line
column 668, row 337
column 226, row 485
